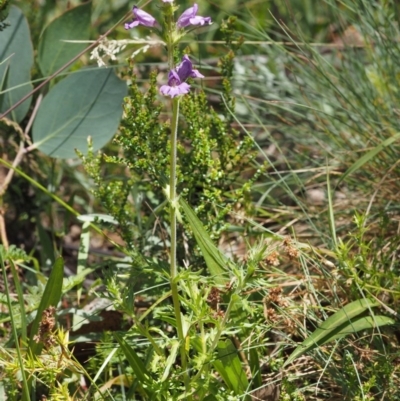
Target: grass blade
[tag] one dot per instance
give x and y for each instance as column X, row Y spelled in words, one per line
column 359, row 324
column 330, row 329
column 370, row 155
column 331, row 213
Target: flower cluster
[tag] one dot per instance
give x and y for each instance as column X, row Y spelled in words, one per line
column 188, row 17
column 177, row 77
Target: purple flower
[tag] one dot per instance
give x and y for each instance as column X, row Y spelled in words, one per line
column 140, row 18
column 189, row 17
column 176, row 78
column 168, row 1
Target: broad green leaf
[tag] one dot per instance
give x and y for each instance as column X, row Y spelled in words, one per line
column 16, row 59
column 86, row 103
column 369, row 155
column 337, row 325
column 51, row 296
column 53, row 51
column 230, row 368
column 138, row 367
column 216, row 261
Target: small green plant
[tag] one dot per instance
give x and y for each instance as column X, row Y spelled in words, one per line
column 273, row 149
column 199, row 167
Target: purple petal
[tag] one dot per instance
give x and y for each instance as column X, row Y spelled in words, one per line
column 183, row 88
column 165, row 89
column 173, row 78
column 173, row 91
column 185, row 68
column 184, row 19
column 132, row 24
column 197, row 20
column 196, row 74
column 144, row 18
column 168, row 1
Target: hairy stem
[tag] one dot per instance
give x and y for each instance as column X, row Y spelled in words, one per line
column 169, row 22
column 173, row 266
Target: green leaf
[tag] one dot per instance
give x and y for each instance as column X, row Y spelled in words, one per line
column 358, row 324
column 47, row 252
column 51, row 296
column 15, row 72
column 86, row 103
column 370, row 155
column 77, row 279
column 171, row 359
column 230, row 368
column 255, row 367
column 338, row 325
column 216, row 261
column 53, row 51
column 138, row 367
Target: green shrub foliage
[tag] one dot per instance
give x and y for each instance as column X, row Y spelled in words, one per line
column 213, row 157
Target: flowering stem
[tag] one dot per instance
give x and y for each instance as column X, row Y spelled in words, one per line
column 172, row 185
column 169, row 28
column 170, row 57
column 173, row 266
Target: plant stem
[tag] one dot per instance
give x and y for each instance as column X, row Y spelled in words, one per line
column 170, row 49
column 172, row 186
column 173, row 201
column 169, row 21
column 173, row 266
